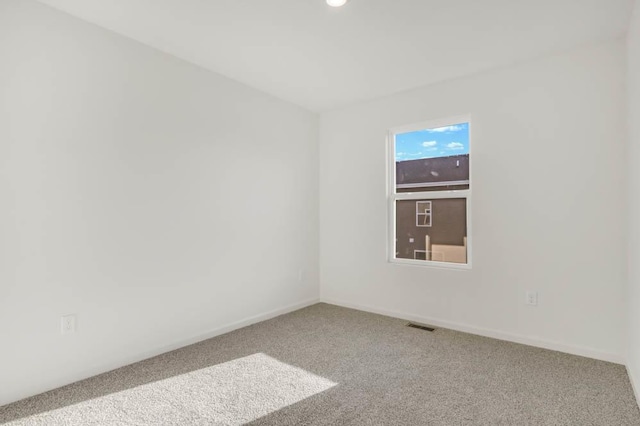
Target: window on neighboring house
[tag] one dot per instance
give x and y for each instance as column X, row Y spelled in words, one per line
column 423, row 213
column 429, row 193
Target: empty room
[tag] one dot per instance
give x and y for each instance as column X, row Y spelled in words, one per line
column 319, row 212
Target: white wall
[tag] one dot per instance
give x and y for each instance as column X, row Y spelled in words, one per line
column 633, row 73
column 549, row 164
column 157, row 201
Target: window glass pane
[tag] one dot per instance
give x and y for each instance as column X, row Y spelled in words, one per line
column 432, row 230
column 433, row 159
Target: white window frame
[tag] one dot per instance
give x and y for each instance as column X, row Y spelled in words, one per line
column 393, row 197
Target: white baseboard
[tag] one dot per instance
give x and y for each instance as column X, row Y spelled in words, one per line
column 232, row 326
column 109, row 366
column 635, row 382
column 495, row 334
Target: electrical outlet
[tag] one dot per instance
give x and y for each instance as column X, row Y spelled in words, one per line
column 68, row 324
column 411, row 240
column 531, row 298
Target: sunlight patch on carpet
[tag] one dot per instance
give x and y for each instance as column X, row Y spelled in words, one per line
column 231, row 393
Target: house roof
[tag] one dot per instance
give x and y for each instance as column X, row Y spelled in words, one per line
column 454, row 168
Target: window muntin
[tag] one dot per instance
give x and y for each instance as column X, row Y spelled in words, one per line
column 430, row 189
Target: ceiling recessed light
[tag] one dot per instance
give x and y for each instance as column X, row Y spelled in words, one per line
column 336, row 3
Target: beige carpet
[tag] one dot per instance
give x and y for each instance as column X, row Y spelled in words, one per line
column 326, row 365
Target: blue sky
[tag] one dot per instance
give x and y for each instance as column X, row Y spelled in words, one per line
column 430, row 143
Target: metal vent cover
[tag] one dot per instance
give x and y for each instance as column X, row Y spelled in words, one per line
column 420, row 326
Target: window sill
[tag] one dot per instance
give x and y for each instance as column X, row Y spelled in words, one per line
column 432, row 264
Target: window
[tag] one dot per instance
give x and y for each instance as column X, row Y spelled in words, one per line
column 423, row 213
column 430, row 193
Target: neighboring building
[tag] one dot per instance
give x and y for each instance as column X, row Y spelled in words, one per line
column 443, row 220
column 429, row 174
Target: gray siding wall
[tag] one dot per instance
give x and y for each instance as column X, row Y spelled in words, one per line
column 449, row 225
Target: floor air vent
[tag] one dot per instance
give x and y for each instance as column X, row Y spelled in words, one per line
column 421, row 327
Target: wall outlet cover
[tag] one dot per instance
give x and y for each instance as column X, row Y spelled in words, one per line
column 68, row 324
column 531, row 298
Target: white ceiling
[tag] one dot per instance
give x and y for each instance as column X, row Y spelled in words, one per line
column 322, row 58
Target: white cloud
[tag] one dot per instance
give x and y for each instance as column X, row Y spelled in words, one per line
column 429, row 144
column 455, row 145
column 445, row 129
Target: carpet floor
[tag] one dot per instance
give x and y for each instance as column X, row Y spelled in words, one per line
column 326, row 365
